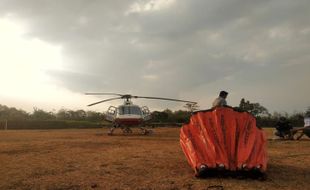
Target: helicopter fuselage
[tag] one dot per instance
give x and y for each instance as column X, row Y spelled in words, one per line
column 128, row 114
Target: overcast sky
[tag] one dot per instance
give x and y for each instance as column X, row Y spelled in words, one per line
column 52, row 51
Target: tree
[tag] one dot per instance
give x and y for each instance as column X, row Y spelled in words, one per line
column 78, row 115
column 191, row 107
column 254, row 108
column 181, row 116
column 158, row 116
column 40, row 114
column 94, row 116
column 12, row 113
column 81, row 114
column 63, row 114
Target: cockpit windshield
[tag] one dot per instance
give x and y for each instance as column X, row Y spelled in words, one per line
column 134, row 110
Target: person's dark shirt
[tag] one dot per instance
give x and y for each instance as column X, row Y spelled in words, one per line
column 284, row 126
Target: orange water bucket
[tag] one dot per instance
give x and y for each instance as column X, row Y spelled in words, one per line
column 224, row 139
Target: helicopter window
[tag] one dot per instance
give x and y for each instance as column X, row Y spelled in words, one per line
column 121, row 110
column 135, row 110
column 129, row 110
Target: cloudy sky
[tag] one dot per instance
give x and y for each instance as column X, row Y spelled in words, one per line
column 52, row 51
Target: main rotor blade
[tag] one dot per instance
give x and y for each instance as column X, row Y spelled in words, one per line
column 106, row 100
column 169, row 99
column 102, row 93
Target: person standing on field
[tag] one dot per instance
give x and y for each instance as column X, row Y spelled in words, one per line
column 284, row 129
column 221, row 100
column 306, row 129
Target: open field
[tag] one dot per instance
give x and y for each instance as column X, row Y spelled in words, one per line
column 89, row 159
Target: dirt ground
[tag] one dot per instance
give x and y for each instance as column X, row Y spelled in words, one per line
column 89, row 159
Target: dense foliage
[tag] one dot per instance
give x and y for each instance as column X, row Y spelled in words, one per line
column 264, row 118
column 254, row 108
column 7, row 113
column 168, row 116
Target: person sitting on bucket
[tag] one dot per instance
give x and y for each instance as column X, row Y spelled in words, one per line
column 283, row 128
column 221, row 100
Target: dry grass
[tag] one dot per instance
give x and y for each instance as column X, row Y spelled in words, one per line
column 89, row 159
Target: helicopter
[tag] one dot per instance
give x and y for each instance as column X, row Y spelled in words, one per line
column 128, row 114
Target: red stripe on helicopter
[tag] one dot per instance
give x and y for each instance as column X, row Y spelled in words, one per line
column 129, row 121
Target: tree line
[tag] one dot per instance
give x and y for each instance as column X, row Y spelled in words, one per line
column 264, row 118
column 11, row 113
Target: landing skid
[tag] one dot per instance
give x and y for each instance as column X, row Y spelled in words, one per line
column 128, row 131
column 146, row 131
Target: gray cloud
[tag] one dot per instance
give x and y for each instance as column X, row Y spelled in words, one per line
column 171, row 51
